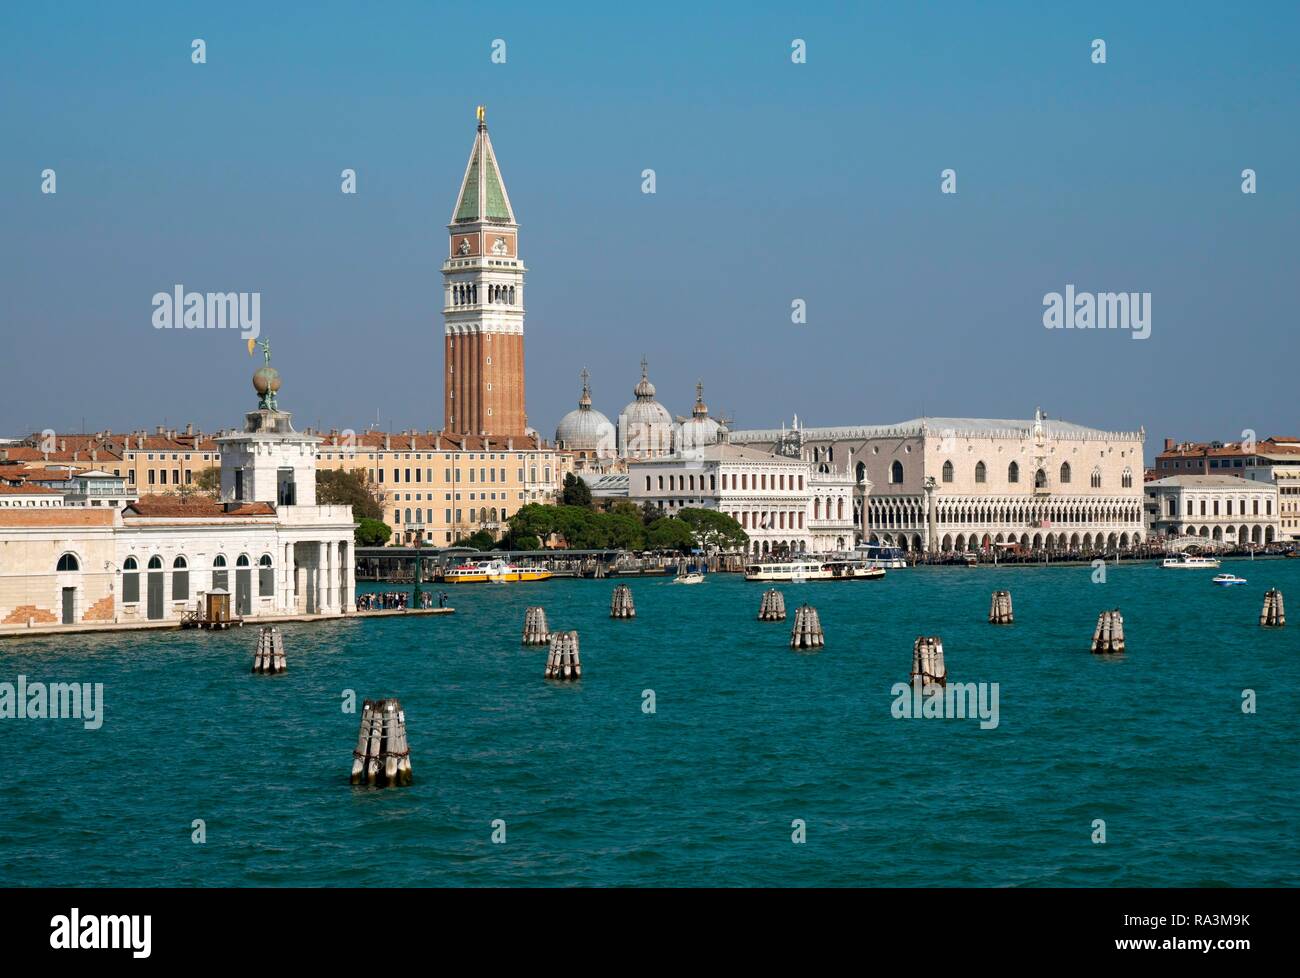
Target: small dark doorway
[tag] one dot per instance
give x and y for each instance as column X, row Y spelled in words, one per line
column 154, row 607
column 69, row 605
column 243, row 586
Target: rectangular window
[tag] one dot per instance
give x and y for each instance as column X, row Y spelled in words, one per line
column 152, row 477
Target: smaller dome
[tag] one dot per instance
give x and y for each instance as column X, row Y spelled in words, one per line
column 585, row 429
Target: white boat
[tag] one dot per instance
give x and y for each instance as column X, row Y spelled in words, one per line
column 880, row 555
column 689, row 579
column 796, row 571
column 1190, row 562
column 1228, row 580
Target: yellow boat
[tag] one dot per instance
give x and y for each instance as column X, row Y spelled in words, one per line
column 494, row 572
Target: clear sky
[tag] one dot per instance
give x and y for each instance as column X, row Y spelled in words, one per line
column 775, row 181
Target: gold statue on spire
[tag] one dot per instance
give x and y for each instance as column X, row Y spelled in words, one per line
column 482, row 114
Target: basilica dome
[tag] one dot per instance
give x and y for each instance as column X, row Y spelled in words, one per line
column 699, row 429
column 645, row 428
column 585, row 429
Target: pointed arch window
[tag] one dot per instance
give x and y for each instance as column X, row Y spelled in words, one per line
column 981, row 473
column 1065, row 473
column 1126, row 480
column 1095, row 480
column 896, row 472
column 1013, row 472
column 947, row 471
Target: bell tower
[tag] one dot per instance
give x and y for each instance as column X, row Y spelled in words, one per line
column 483, row 304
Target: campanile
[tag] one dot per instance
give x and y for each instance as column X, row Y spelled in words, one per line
column 483, row 304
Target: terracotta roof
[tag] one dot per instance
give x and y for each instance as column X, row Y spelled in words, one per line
column 26, row 453
column 194, row 507
column 28, row 490
column 56, row 516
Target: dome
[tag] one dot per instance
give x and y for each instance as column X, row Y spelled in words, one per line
column 645, row 428
column 698, row 430
column 584, row 429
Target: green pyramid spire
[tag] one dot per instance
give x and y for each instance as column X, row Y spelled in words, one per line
column 482, row 193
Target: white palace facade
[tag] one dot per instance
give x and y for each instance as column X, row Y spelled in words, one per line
column 957, row 484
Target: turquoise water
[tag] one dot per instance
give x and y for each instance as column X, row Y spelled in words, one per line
column 747, row 737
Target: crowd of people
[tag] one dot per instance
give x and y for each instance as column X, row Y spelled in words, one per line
column 397, row 600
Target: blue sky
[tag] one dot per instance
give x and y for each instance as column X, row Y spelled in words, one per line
column 775, row 181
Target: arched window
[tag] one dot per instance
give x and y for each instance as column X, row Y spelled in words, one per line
column 1065, row 473
column 265, row 576
column 896, row 472
column 1126, row 480
column 862, row 472
column 219, row 579
column 1095, row 480
column 1013, row 472
column 947, row 472
column 180, row 580
column 68, row 563
column 155, row 562
column 242, row 561
column 981, row 473
column 1040, row 479
column 130, row 581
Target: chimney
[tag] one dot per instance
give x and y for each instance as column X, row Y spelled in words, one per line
column 413, row 443
column 1169, row 444
column 388, row 442
column 510, row 444
column 437, row 444
column 63, row 444
column 189, row 428
column 94, row 455
column 158, row 430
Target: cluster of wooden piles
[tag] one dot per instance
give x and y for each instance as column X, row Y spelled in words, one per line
column 536, row 631
column 1109, row 635
column 807, row 632
column 772, row 607
column 1273, row 614
column 563, row 661
column 620, row 603
column 382, row 757
column 927, row 661
column 269, row 657
column 1000, row 609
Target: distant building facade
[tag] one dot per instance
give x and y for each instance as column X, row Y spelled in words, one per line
column 956, row 484
column 1222, row 509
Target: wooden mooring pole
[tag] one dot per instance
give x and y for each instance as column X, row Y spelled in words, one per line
column 807, row 632
column 772, row 607
column 563, row 661
column 1274, row 614
column 927, row 661
column 535, row 630
column 620, row 603
column 382, row 757
column 269, row 658
column 1000, row 609
column 1109, row 635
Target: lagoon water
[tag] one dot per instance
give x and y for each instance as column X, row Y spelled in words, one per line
column 747, row 737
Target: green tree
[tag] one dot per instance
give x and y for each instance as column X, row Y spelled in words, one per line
column 523, row 542
column 344, row 487
column 620, row 531
column 714, row 530
column 670, row 533
column 372, row 533
column 533, row 520
column 576, row 492
column 479, row 540
column 650, row 512
column 208, row 482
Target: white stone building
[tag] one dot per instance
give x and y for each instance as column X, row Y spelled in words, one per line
column 265, row 541
column 955, row 484
column 776, row 500
column 1222, row 509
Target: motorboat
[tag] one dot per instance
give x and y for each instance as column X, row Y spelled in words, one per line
column 890, row 558
column 691, row 578
column 1187, row 561
column 1228, row 580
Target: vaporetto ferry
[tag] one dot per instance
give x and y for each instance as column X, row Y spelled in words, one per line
column 812, row 569
column 495, row 571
